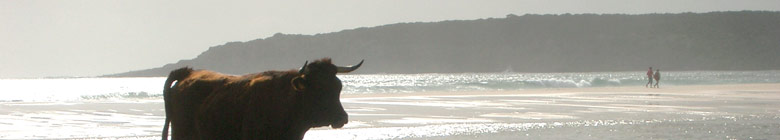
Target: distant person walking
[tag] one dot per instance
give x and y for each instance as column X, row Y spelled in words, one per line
column 657, row 77
column 649, row 77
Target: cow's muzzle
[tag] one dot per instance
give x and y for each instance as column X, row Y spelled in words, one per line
column 339, row 121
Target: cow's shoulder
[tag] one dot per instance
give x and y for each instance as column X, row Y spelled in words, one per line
column 266, row 79
column 268, row 83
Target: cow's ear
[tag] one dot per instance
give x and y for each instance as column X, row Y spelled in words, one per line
column 297, row 83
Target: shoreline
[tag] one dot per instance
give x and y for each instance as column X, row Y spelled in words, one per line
column 682, row 89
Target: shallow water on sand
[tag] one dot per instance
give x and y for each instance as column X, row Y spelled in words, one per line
column 563, row 116
column 713, row 114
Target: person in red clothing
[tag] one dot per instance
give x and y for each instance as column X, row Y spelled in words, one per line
column 649, row 76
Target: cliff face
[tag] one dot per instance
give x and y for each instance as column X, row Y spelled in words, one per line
column 746, row 40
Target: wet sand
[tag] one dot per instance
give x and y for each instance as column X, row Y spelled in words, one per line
column 745, row 111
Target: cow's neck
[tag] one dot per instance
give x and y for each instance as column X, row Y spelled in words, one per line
column 300, row 117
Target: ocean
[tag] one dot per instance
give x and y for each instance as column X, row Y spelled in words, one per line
column 595, row 105
column 117, row 89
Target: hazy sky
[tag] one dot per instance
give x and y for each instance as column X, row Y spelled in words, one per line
column 94, row 37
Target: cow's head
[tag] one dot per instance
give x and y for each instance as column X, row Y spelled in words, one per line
column 321, row 89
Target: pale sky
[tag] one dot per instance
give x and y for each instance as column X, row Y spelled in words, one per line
column 40, row 38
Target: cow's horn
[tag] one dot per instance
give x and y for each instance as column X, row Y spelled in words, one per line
column 343, row 69
column 304, row 67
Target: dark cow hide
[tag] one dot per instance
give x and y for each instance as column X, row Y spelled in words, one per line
column 269, row 105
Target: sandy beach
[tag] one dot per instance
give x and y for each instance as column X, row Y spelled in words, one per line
column 739, row 111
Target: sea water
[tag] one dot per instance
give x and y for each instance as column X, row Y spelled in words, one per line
column 117, row 89
column 131, row 108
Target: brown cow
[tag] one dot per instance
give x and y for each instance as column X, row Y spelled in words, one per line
column 268, row 105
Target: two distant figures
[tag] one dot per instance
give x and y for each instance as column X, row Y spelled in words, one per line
column 651, row 76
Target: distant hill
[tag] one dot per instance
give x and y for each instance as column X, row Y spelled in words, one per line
column 744, row 40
